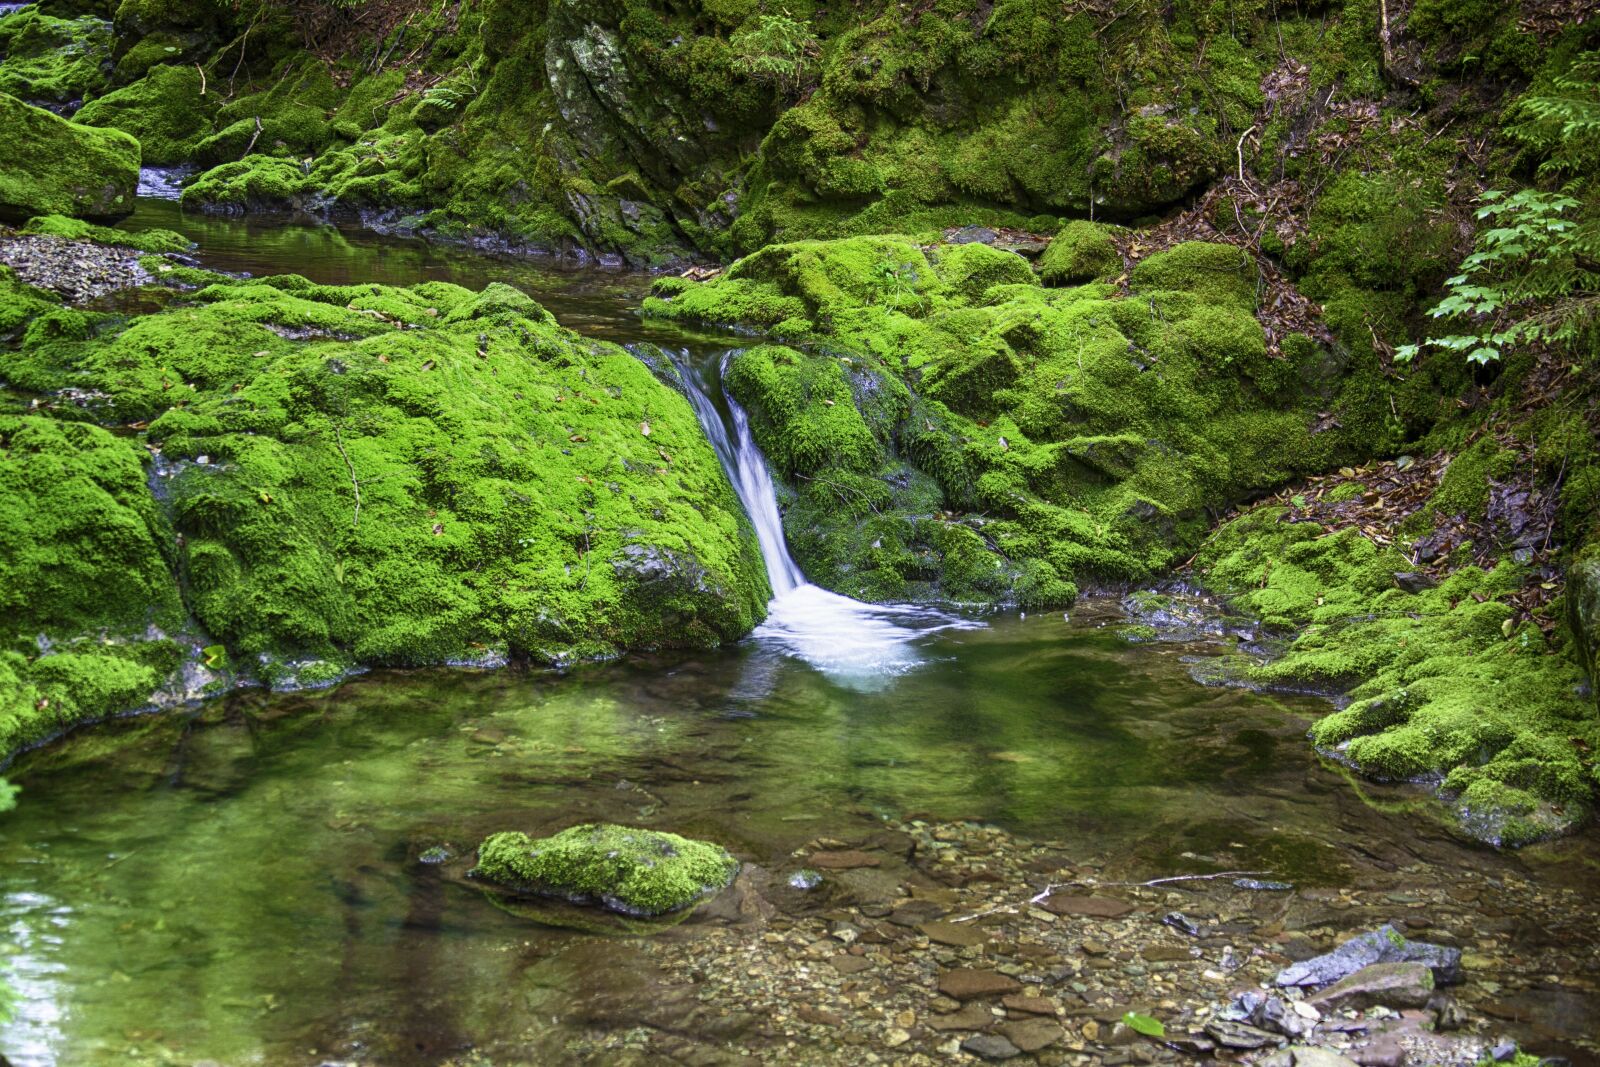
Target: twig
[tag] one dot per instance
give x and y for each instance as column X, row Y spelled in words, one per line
column 202, row 71
column 1043, row 894
column 354, row 484
column 253, row 139
column 1242, row 136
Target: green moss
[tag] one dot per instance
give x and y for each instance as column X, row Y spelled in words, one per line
column 166, row 110
column 1081, row 252
column 58, row 167
column 636, row 872
column 50, row 60
column 1216, row 273
column 1444, row 688
column 79, row 230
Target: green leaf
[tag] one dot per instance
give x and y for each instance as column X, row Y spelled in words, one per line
column 213, row 654
column 1144, row 1024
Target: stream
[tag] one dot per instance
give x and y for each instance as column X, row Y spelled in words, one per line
column 242, row 882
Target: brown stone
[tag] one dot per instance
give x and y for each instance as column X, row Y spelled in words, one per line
column 818, row 1016
column 845, row 860
column 850, row 964
column 1031, row 1035
column 1090, row 907
column 965, row 984
column 958, row 935
column 1164, row 954
column 969, row 1017
column 1016, row 1002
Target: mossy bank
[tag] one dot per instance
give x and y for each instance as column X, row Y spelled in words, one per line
column 282, row 482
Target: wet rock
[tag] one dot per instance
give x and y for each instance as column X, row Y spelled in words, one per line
column 916, row 913
column 968, row 235
column 956, row 935
column 1392, row 985
column 805, row 878
column 1089, row 907
column 1382, row 1054
column 846, row 964
column 1383, row 945
column 966, row 984
column 1232, row 1034
column 1256, row 885
column 1180, row 922
column 75, row 270
column 844, row 860
column 969, row 1017
column 1031, row 1035
column 1307, row 1056
column 990, row 1047
column 1414, row 581
column 1017, row 1002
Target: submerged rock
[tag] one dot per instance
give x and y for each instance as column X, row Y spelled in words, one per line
column 1393, row 985
column 1383, row 945
column 634, row 872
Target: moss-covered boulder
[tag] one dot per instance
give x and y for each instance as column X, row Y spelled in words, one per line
column 1081, row 252
column 166, row 110
column 951, row 430
column 373, row 476
column 56, row 167
column 56, row 61
column 634, row 872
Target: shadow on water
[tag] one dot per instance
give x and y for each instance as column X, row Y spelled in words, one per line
column 242, row 883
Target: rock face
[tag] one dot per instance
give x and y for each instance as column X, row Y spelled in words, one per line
column 1583, row 614
column 634, row 872
column 56, row 167
column 1383, row 945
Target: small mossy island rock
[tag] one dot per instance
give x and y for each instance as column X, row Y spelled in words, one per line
column 640, row 873
column 56, row 167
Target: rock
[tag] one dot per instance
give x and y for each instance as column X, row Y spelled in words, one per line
column 56, row 167
column 967, row 235
column 1383, row 945
column 956, row 935
column 896, row 1037
column 990, row 1047
column 1018, row 1002
column 1031, row 1035
column 1256, row 885
column 630, row 871
column 805, row 878
column 965, row 984
column 1414, row 581
column 1090, row 907
column 1392, row 985
column 916, row 913
column 1163, row 954
column 848, row 859
column 1381, row 1054
column 969, row 1017
column 1180, row 922
column 1231, row 1034
column 818, row 1016
column 847, row 964
column 1306, row 1056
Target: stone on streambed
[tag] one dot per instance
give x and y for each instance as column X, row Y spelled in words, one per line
column 56, row 167
column 1383, row 945
column 634, row 872
column 1393, row 985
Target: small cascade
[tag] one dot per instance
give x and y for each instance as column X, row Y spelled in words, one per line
column 862, row 645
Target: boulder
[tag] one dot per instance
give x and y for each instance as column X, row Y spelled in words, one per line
column 1383, row 945
column 56, row 167
column 633, row 872
column 1583, row 614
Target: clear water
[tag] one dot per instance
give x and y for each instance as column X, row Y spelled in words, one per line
column 240, row 883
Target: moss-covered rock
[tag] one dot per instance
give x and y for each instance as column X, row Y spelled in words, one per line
column 366, row 475
column 1081, row 252
column 167, row 110
column 1583, row 614
column 636, row 872
column 1444, row 687
column 56, row 61
column 56, row 167
column 952, row 430
column 80, row 230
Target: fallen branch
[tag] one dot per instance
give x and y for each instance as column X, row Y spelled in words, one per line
column 354, row 483
column 1089, row 883
column 253, row 139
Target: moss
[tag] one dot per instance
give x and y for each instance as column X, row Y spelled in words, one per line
column 166, row 110
column 1217, row 273
column 58, row 167
column 632, row 871
column 79, row 230
column 253, row 182
column 1444, row 688
column 1081, row 252
column 50, row 60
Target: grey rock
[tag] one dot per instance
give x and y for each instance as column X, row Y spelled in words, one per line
column 1307, row 1056
column 1383, row 945
column 990, row 1047
column 1414, row 581
column 1231, row 1034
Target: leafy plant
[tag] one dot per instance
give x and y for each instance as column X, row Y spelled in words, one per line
column 1144, row 1024
column 777, row 49
column 1533, row 276
column 1565, row 121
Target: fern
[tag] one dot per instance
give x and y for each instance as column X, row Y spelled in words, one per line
column 778, row 50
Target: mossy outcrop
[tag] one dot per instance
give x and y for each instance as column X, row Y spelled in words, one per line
column 952, row 430
column 56, row 167
column 636, row 872
column 53, row 62
column 359, row 476
column 1583, row 608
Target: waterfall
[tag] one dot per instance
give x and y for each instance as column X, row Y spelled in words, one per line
column 862, row 645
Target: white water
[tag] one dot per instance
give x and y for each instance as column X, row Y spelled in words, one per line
column 861, row 645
